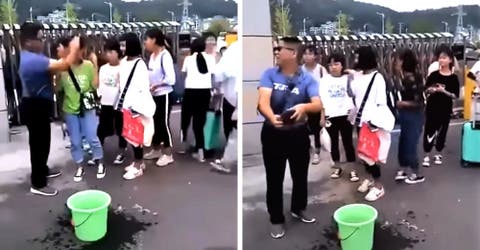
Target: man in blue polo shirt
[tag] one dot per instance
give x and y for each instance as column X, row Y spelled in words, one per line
column 286, row 96
column 37, row 101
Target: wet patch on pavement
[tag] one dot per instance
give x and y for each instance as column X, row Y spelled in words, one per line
column 386, row 236
column 124, row 232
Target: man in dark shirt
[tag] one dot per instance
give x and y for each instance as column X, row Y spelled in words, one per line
column 286, row 96
column 37, row 101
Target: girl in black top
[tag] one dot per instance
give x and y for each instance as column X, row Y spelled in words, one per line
column 409, row 89
column 442, row 87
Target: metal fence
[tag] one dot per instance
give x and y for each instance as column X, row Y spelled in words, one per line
column 97, row 33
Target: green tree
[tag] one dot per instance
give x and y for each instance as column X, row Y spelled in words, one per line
column 218, row 26
column 8, row 13
column 422, row 26
column 389, row 27
column 72, row 16
column 281, row 23
column 117, row 16
column 343, row 23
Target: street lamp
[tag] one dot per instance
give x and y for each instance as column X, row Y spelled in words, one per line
column 446, row 25
column 110, row 6
column 383, row 21
column 304, row 26
column 173, row 15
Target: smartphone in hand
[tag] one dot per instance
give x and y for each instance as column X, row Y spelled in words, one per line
column 287, row 116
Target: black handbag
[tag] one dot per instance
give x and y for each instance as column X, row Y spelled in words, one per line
column 89, row 100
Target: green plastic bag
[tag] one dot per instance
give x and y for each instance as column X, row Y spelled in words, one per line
column 211, row 130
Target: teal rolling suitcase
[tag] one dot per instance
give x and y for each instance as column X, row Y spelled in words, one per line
column 470, row 145
column 471, row 136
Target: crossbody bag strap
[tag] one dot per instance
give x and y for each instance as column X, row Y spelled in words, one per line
column 122, row 96
column 364, row 101
column 74, row 80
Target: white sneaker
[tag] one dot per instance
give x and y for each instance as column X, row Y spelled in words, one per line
column 375, row 194
column 437, row 159
column 132, row 166
column 91, row 162
column 164, row 160
column 153, row 154
column 78, row 175
column 316, row 159
column 133, row 173
column 199, row 155
column 101, row 171
column 426, row 162
column 365, row 186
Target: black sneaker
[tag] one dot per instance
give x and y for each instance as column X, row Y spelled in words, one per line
column 303, row 217
column 100, row 171
column 45, row 191
column 119, row 159
column 336, row 173
column 53, row 173
column 79, row 174
column 414, row 179
column 401, row 175
column 277, row 231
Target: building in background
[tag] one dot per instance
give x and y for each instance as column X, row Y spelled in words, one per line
column 328, row 28
column 57, row 16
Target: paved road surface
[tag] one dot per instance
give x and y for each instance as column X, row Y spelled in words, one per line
column 195, row 208
column 443, row 212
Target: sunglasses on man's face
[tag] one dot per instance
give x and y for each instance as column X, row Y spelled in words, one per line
column 279, row 48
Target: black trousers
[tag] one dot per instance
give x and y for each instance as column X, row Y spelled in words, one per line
column 278, row 146
column 314, row 126
column 341, row 126
column 194, row 107
column 36, row 113
column 228, row 123
column 111, row 122
column 162, row 121
column 137, row 153
column 436, row 128
column 373, row 170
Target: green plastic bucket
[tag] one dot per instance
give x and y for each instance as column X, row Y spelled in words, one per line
column 356, row 224
column 89, row 214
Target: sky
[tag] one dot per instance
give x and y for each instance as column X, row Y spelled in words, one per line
column 420, row 4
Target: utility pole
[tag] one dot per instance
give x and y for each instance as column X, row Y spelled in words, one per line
column 31, row 14
column 400, row 25
column 128, row 17
column 383, row 21
column 110, row 6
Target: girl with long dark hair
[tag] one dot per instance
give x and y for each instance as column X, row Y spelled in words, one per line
column 199, row 68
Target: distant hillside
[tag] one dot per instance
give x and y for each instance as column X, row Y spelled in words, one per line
column 321, row 11
column 143, row 11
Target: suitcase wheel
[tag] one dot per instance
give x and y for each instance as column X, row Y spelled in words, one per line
column 465, row 164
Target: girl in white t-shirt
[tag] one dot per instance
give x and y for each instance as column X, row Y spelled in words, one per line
column 310, row 58
column 111, row 120
column 199, row 68
column 375, row 113
column 337, row 104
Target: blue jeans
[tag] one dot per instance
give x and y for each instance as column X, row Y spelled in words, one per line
column 411, row 125
column 85, row 126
